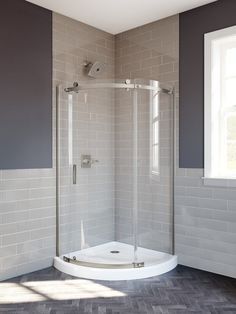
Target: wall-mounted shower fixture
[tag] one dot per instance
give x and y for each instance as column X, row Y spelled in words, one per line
column 74, row 88
column 87, row 161
column 94, row 69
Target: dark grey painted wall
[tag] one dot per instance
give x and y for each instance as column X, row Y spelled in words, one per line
column 25, row 86
column 193, row 25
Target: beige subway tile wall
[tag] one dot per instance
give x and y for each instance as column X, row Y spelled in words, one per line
column 205, row 224
column 27, row 220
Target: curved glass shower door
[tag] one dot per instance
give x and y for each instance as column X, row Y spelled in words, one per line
column 155, row 169
column 145, row 172
column 114, row 173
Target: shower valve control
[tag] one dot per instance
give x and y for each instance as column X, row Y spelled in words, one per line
column 87, row 161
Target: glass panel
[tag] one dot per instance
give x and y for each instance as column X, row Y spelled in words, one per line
column 87, row 131
column 65, row 161
column 155, row 188
column 124, row 166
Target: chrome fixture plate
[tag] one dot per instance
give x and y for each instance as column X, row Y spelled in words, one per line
column 87, row 161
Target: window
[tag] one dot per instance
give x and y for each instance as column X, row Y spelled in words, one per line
column 220, row 104
column 154, row 132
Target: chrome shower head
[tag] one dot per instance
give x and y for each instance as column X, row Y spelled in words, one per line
column 94, row 69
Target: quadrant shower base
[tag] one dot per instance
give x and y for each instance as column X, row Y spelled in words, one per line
column 112, row 254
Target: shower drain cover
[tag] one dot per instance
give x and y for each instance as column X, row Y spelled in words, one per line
column 114, row 252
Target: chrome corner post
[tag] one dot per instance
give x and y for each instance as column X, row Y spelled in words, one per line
column 135, row 173
column 58, row 170
column 173, row 165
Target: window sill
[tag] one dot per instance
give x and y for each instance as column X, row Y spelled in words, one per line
column 221, row 182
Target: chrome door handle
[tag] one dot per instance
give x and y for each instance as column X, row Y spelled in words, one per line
column 74, row 174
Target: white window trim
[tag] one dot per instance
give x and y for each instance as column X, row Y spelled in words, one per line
column 209, row 178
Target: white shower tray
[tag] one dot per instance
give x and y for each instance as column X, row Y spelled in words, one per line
column 155, row 263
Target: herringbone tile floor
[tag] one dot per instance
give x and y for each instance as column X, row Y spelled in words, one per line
column 183, row 290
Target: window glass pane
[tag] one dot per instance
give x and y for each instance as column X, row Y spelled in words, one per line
column 231, row 127
column 220, row 104
column 231, row 142
column 229, row 93
column 231, row 156
column 231, row 62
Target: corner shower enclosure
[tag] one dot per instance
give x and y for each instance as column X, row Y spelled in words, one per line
column 115, row 179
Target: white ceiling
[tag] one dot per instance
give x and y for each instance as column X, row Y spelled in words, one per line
column 116, row 16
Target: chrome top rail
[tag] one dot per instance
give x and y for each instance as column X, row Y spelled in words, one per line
column 126, row 85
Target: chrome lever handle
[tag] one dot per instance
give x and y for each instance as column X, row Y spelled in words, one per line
column 74, row 174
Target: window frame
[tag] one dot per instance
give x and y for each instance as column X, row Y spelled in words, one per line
column 212, row 124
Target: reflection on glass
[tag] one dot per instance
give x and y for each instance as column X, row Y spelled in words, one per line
column 154, row 134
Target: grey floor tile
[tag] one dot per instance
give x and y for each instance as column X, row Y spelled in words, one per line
column 181, row 291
